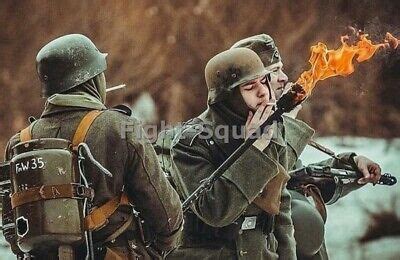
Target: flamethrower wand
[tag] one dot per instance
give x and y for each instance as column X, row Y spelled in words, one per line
column 295, row 96
column 328, row 172
column 306, row 175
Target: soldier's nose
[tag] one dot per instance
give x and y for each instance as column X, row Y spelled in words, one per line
column 282, row 77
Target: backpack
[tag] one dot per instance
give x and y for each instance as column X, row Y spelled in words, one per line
column 48, row 192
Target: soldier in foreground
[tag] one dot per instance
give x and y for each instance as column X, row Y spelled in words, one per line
column 71, row 70
column 246, row 213
column 308, row 222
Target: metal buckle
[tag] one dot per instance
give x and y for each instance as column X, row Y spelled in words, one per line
column 249, row 223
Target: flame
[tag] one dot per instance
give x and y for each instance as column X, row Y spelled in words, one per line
column 327, row 63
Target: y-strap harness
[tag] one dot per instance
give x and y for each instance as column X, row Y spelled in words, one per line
column 99, row 216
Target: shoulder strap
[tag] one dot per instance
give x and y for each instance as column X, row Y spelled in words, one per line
column 83, row 127
column 80, row 133
column 98, row 217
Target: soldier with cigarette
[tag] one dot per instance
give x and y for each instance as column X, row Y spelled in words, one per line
column 134, row 196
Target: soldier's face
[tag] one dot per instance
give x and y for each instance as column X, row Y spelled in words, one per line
column 255, row 92
column 278, row 78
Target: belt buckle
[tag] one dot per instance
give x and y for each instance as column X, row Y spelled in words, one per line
column 249, row 223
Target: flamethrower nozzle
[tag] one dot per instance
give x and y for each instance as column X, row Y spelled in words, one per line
column 292, row 98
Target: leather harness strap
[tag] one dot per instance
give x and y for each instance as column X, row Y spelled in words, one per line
column 25, row 134
column 83, row 127
column 98, row 217
column 46, row 192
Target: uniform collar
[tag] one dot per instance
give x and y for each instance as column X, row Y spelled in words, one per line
column 71, row 102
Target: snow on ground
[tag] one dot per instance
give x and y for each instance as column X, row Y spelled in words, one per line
column 346, row 219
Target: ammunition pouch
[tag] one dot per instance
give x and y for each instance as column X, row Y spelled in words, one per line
column 199, row 232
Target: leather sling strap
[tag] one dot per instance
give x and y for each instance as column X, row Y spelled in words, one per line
column 315, row 193
column 80, row 133
column 46, row 192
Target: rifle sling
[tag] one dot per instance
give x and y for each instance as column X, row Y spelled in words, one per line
column 313, row 191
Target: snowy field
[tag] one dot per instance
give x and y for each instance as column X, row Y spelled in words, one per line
column 346, row 218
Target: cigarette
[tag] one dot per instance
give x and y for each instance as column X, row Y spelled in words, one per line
column 115, row 87
column 271, row 103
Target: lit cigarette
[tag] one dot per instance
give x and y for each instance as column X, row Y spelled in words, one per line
column 115, row 87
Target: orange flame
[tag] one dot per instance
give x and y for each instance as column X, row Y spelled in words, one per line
column 327, row 63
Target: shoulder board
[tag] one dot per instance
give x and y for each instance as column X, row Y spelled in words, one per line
column 123, row 109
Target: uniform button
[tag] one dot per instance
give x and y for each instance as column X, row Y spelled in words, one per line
column 240, row 232
column 211, row 142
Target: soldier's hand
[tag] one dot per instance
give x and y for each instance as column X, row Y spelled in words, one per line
column 263, row 141
column 254, row 121
column 371, row 170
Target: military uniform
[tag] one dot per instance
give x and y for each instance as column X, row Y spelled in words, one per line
column 209, row 233
column 128, row 155
column 308, row 239
column 225, row 223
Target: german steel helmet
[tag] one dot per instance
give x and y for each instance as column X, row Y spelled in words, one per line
column 68, row 61
column 229, row 69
